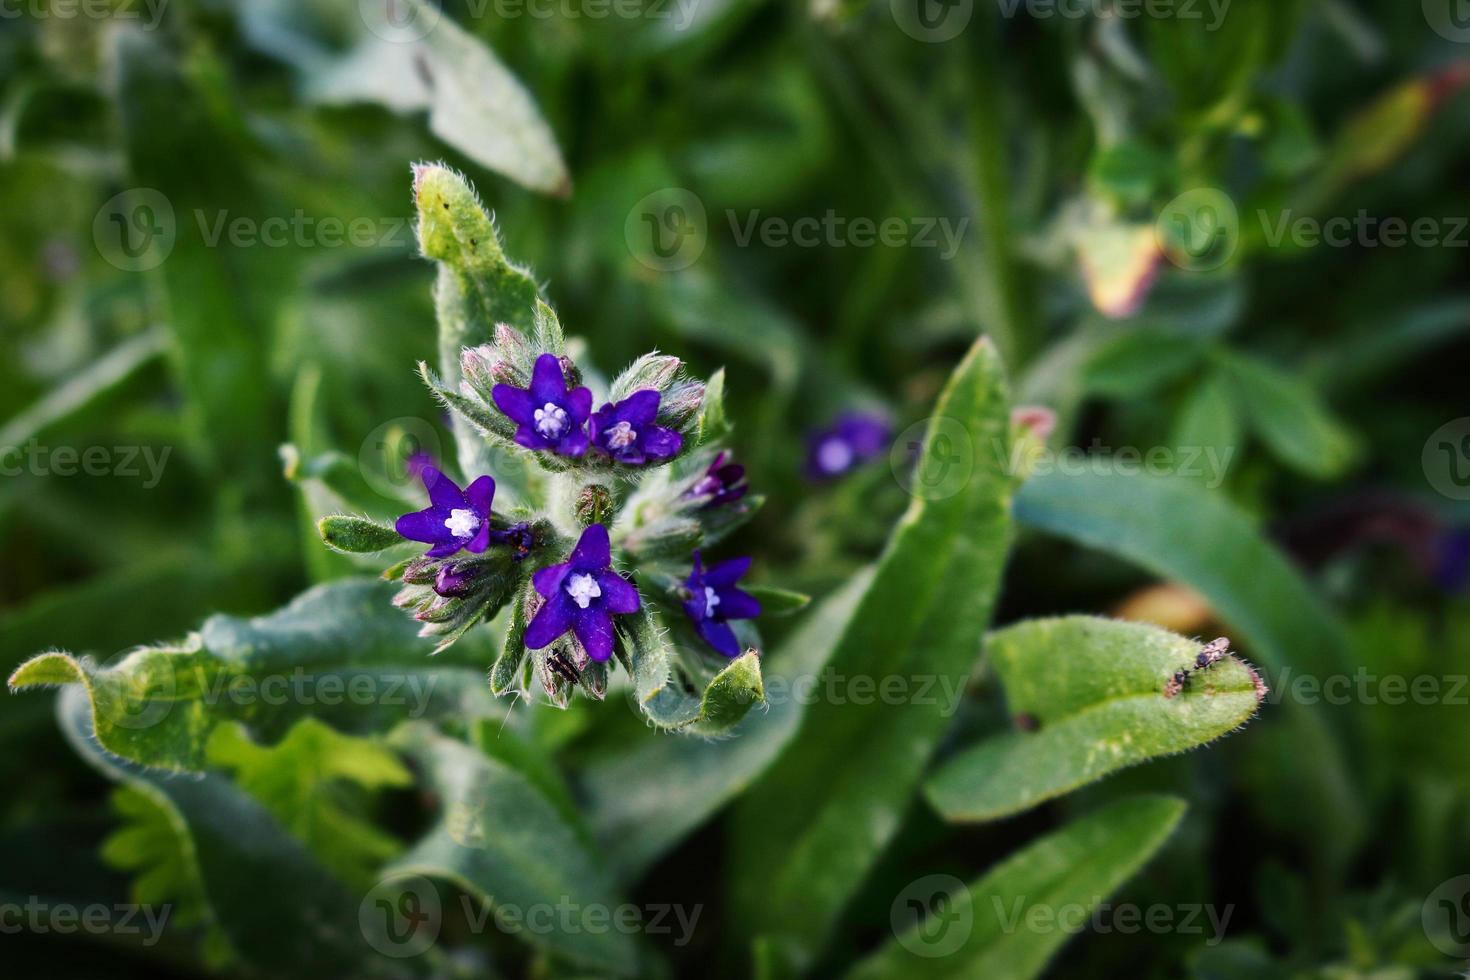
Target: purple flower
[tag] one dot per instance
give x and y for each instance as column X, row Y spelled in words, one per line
column 582, row 595
column 626, row 432
column 548, row 416
column 714, row 599
column 723, row 483
column 455, row 518
column 452, row 582
column 853, row 439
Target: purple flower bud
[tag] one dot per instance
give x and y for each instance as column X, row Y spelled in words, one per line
column 723, row 483
column 453, row 582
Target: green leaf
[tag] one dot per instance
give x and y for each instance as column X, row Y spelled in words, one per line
column 340, row 651
column 356, row 535
column 298, row 781
column 1013, row 911
column 1289, row 417
column 1139, row 362
column 1095, row 690
column 94, row 382
column 779, row 602
column 244, row 864
column 645, row 797
column 156, row 849
column 659, row 685
column 1209, row 423
column 500, row 839
column 808, row 833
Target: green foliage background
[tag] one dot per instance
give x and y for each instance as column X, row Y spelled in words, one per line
column 280, row 382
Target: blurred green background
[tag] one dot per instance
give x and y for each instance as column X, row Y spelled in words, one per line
column 1055, row 141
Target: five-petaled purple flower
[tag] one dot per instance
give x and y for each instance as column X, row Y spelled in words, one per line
column 582, row 595
column 854, row 438
column 714, row 599
column 723, row 483
column 626, row 432
column 547, row 415
column 454, row 519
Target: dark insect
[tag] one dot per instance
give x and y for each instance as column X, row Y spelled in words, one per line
column 1209, row 655
column 559, row 663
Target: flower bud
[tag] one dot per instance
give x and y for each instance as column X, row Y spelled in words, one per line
column 594, row 505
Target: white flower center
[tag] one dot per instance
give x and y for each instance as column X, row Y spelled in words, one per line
column 583, row 589
column 834, row 455
column 621, row 436
column 710, row 601
column 551, row 420
column 462, row 523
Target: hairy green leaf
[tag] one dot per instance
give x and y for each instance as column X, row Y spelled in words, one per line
column 299, row 781
column 356, row 535
column 1093, row 690
column 661, row 690
column 503, row 841
column 1009, row 923
column 340, row 651
column 809, row 832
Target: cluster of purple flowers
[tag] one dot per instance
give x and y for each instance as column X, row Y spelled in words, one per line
column 551, row 417
column 582, row 594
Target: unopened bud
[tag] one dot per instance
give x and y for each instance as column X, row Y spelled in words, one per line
column 594, row 505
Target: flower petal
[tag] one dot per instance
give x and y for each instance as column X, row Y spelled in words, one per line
column 547, row 580
column 443, row 492
column 661, row 443
column 735, row 604
column 593, row 550
column 548, row 384
column 551, row 621
column 481, row 494
column 425, row 525
column 594, row 628
column 516, row 403
column 444, row 550
column 574, row 443
column 720, row 636
column 618, row 594
column 726, row 573
column 578, row 404
column 640, row 408
column 481, row 540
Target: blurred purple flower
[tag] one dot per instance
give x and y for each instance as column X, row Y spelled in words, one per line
column 723, row 483
column 852, row 440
